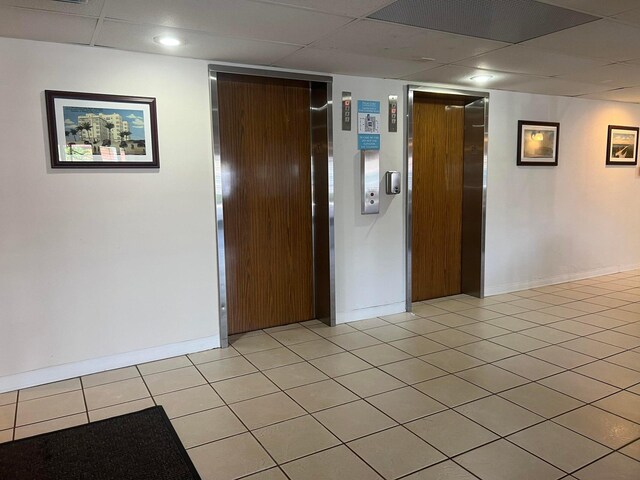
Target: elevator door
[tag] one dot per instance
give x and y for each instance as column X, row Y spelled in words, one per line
column 266, row 168
column 438, row 154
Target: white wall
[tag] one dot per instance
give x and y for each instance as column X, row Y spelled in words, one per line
column 552, row 224
column 104, row 263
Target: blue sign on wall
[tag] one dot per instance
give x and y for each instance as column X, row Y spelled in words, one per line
column 368, row 125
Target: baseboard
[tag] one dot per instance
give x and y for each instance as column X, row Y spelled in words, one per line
column 370, row 312
column 569, row 277
column 87, row 367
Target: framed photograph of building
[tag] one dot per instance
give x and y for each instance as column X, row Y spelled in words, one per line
column 538, row 143
column 88, row 130
column 622, row 145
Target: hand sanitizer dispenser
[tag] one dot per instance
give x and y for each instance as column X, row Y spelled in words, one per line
column 392, row 182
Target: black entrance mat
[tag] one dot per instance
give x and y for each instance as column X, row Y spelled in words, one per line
column 141, row 446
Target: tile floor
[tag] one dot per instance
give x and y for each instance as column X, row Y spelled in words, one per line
column 539, row 384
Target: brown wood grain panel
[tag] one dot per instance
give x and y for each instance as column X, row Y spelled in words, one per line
column 265, row 151
column 438, row 152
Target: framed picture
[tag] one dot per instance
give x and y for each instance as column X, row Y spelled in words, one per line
column 622, row 145
column 538, row 143
column 88, row 130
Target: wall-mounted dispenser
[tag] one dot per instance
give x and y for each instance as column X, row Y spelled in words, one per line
column 392, row 182
column 370, row 173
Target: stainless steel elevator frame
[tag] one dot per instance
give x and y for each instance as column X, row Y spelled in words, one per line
column 322, row 199
column 474, row 191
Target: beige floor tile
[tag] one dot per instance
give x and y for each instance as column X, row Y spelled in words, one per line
column 109, row 376
column 396, row 452
column 47, row 408
column 164, row 365
column 369, row 382
column 271, row 474
column 578, row 386
column 617, row 339
column 208, row 426
column 612, row 467
column 213, row 355
column 295, row 335
column 254, row 343
column 115, row 393
column 487, row 351
column 632, row 329
column 413, row 371
column 227, row 368
column 50, row 425
column 351, row 341
column 574, row 295
column 481, row 314
column 541, row 318
column 328, row 332
column 381, row 354
column 8, row 398
column 442, row 471
column 499, row 415
column 506, row 309
column 520, row 343
column 389, row 333
column 492, row 378
column 600, row 321
column 561, row 356
column 601, row 426
column 172, row 380
column 529, row 367
column 559, row 446
column 316, row 349
column 230, row 458
column 453, row 305
column 585, row 307
column 422, row 326
column 541, row 400
column 6, row 436
column 296, row 438
column 354, row 420
column 622, row 315
column 453, row 320
column 417, row 346
column 451, row 390
column 340, row 364
column 120, row 409
column 424, row 310
column 7, row 416
column 368, row 323
column 338, row 463
column 278, row 357
column 502, row 460
column 576, row 327
column 607, row 302
column 50, row 389
column 626, row 359
column 606, row 372
column 406, row 404
column 451, row 433
column 484, row 330
column 266, row 410
column 400, row 317
column 295, row 375
column 511, row 323
column 632, row 450
column 530, row 304
column 452, row 361
column 548, row 334
column 452, row 337
column 624, row 404
column 242, row 388
column 188, row 401
column 289, row 326
column 321, row 395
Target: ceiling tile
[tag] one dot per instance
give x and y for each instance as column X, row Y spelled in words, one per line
column 91, row 9
column 602, row 39
column 380, row 39
column 611, row 76
column 139, row 38
column 533, row 61
column 237, row 18
column 334, row 61
column 358, row 8
column 46, row 26
column 595, row 7
column 556, row 86
column 454, row 75
column 631, row 17
column 630, row 95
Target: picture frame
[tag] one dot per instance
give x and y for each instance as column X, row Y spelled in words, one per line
column 622, row 145
column 91, row 130
column 538, row 143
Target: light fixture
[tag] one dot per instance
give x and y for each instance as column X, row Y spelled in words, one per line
column 168, row 41
column 481, row 78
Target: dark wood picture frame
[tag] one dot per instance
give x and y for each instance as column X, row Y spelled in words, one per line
column 549, row 125
column 53, row 123
column 609, row 160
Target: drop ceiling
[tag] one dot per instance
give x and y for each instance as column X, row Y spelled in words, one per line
column 580, row 48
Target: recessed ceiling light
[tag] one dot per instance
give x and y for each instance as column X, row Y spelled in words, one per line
column 168, row 41
column 481, row 78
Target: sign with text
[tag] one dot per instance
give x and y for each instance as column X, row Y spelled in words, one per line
column 368, row 125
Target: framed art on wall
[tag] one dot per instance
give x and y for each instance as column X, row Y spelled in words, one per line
column 538, row 143
column 88, row 130
column 622, row 145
